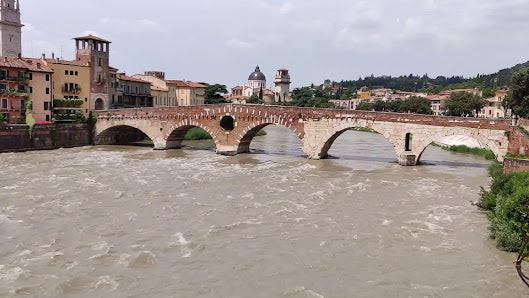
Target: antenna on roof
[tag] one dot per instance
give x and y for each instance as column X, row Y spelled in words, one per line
column 61, row 52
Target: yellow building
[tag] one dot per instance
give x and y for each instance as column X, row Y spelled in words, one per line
column 71, row 80
column 189, row 93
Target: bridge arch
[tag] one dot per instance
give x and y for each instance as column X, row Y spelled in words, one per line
column 125, row 133
column 249, row 132
column 321, row 150
column 175, row 134
column 498, row 143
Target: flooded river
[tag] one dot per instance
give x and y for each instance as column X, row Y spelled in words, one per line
column 117, row 221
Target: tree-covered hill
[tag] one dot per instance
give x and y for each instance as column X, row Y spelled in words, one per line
column 415, row 83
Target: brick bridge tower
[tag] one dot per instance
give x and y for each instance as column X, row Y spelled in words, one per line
column 95, row 52
column 10, row 29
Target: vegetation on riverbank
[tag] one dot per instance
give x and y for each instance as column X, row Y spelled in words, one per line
column 197, row 133
column 506, row 203
column 485, row 153
column 364, row 129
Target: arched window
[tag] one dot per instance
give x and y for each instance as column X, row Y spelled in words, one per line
column 409, row 141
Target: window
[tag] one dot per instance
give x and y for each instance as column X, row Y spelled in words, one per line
column 76, row 73
column 66, row 72
column 22, row 104
column 99, row 61
column 47, row 90
column 3, row 86
column 4, row 74
column 47, row 117
column 47, row 77
column 408, row 141
column 30, row 89
column 38, row 65
column 30, row 76
column 21, row 88
column 71, row 72
column 46, row 106
column 85, row 99
column 4, row 103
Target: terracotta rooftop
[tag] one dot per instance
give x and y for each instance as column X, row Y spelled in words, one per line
column 92, row 37
column 67, row 62
column 123, row 77
column 186, row 84
column 30, row 64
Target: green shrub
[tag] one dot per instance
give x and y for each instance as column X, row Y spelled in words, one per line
column 506, row 202
column 197, row 133
column 487, row 154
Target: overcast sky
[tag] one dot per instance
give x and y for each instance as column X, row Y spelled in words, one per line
column 222, row 41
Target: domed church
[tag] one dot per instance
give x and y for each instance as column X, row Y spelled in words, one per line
column 257, row 79
column 257, row 84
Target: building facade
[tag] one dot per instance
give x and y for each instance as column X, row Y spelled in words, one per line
column 14, row 90
column 133, row 92
column 71, row 81
column 40, row 89
column 10, row 29
column 493, row 106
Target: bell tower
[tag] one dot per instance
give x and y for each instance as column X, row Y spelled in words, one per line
column 10, row 28
column 282, row 83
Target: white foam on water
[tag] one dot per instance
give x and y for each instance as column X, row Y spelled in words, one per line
column 386, row 222
column 7, row 220
column 303, row 291
column 106, row 282
column 12, row 274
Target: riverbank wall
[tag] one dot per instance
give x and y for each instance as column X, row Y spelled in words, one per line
column 515, row 165
column 518, row 141
column 15, row 138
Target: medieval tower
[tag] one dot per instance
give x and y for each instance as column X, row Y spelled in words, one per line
column 282, row 82
column 10, row 28
column 95, row 52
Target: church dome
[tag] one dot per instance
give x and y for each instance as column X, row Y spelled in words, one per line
column 257, row 75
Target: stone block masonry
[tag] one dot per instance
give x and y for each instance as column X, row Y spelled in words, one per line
column 21, row 138
column 514, row 165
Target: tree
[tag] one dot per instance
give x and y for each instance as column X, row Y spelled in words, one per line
column 464, row 103
column 2, row 118
column 261, row 94
column 518, row 98
column 417, row 105
column 364, row 106
column 214, row 93
column 254, row 99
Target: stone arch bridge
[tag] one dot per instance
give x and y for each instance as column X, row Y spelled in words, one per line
column 233, row 127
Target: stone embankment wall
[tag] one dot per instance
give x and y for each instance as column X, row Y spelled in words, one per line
column 514, row 165
column 21, row 138
column 518, row 142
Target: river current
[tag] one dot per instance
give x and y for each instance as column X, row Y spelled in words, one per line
column 118, row 221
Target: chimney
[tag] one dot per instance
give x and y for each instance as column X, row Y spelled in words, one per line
column 5, row 59
column 43, row 56
column 52, row 55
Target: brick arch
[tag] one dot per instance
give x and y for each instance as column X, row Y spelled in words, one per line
column 491, row 144
column 104, row 131
column 321, row 150
column 174, row 134
column 249, row 132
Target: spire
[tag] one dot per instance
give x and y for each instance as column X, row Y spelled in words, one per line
column 18, row 5
column 257, row 69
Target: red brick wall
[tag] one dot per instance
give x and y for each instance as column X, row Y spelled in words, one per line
column 518, row 142
column 512, row 165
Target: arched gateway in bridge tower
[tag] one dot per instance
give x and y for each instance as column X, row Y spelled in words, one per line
column 233, row 127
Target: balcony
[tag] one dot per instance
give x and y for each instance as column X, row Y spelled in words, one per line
column 19, row 79
column 15, row 92
column 72, row 90
column 67, row 104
